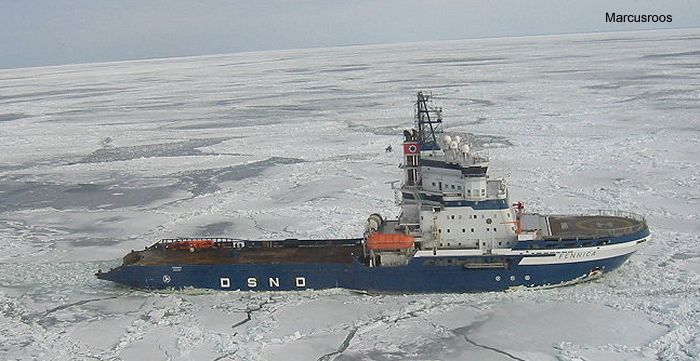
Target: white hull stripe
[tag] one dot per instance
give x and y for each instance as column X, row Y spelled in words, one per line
column 547, row 256
column 584, row 254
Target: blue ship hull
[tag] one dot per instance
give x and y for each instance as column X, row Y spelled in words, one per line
column 416, row 277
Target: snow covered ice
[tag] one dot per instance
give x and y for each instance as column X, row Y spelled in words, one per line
column 99, row 159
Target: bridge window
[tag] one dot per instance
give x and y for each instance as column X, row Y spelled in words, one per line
column 495, row 230
column 472, row 230
column 463, row 230
column 448, row 231
column 453, row 217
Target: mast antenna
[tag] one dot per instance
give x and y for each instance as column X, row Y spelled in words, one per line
column 428, row 122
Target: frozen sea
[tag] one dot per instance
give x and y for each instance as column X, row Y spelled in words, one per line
column 99, row 159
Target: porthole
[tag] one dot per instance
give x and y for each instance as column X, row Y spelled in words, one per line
column 512, row 278
column 527, row 277
column 488, row 221
column 498, row 278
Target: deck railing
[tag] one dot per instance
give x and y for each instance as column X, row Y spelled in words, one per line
column 217, row 240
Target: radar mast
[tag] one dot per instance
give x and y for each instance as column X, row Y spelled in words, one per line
column 428, row 122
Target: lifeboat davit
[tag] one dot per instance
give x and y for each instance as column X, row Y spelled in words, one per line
column 389, row 241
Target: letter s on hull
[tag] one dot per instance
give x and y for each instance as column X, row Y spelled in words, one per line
column 252, row 282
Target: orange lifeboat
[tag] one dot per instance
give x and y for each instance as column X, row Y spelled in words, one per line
column 389, row 241
column 194, row 244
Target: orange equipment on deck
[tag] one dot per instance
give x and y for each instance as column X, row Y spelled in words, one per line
column 193, row 244
column 389, row 241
